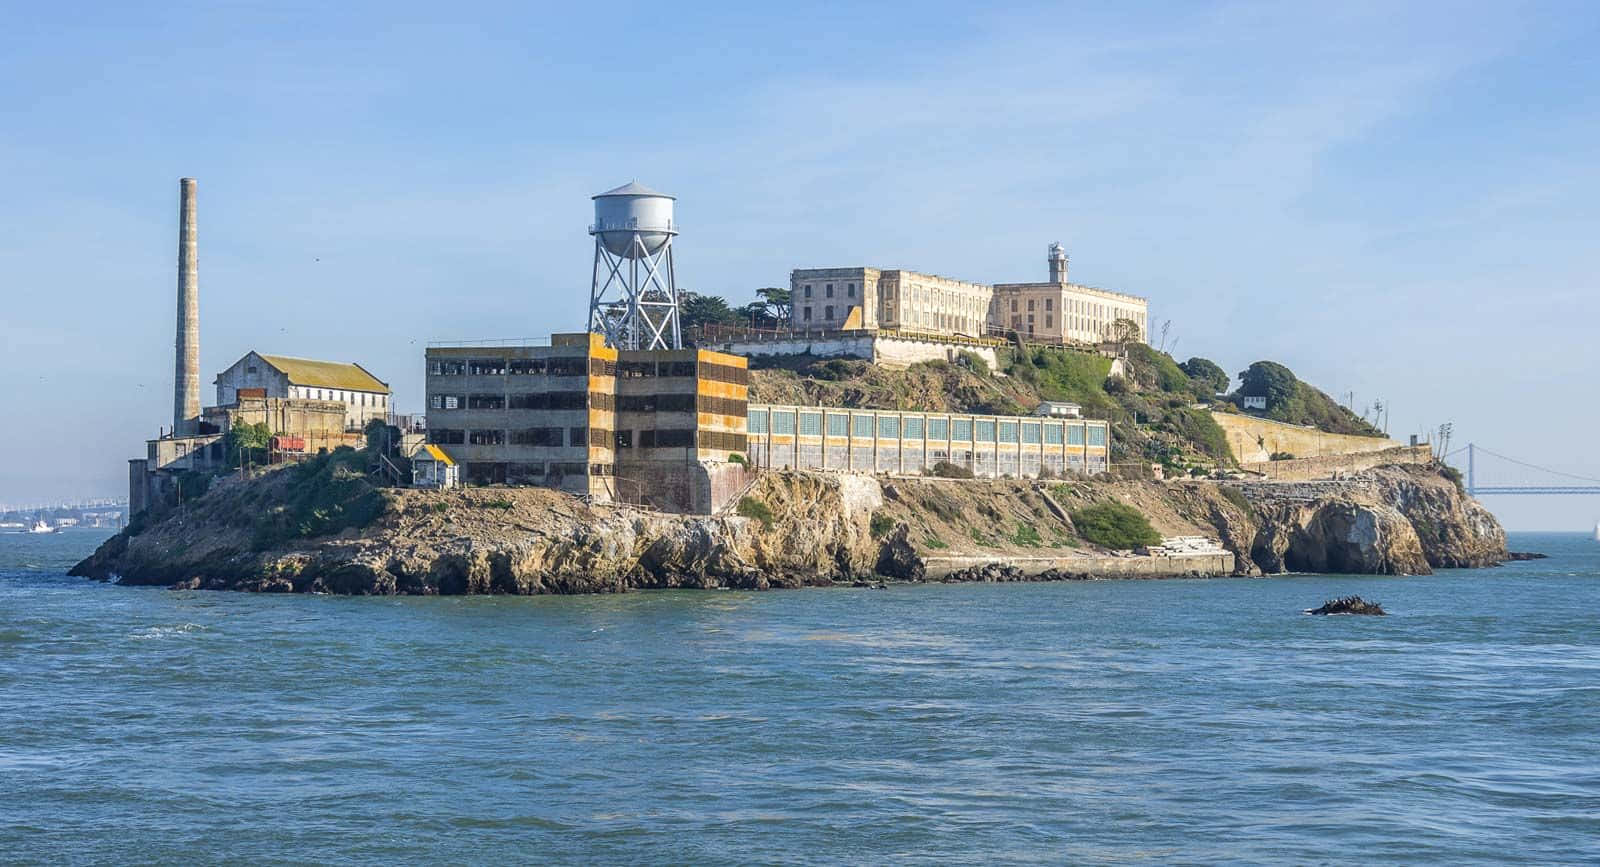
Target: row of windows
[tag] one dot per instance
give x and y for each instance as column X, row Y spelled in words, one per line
column 724, row 373
column 636, row 369
column 533, row 400
column 681, row 403
column 534, row 436
column 827, row 290
column 861, row 426
column 579, row 400
column 558, row 366
column 354, row 398
column 651, row 438
column 723, row 441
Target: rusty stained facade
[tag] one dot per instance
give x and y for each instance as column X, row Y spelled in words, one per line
column 654, row 427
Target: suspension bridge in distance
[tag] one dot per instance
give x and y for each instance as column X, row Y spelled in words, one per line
column 1489, row 473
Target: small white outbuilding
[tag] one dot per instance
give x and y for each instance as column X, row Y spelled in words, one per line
column 432, row 468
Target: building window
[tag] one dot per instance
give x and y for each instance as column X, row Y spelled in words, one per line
column 250, row 369
column 850, row 290
column 827, row 312
column 808, row 290
column 1049, row 320
column 1049, row 303
column 827, row 291
column 1030, row 305
column 1013, row 305
column 807, row 316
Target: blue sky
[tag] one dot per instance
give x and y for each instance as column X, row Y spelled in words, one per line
column 1392, row 199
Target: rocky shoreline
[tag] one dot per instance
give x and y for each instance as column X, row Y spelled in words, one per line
column 823, row 530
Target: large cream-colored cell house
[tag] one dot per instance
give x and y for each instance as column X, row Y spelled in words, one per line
column 910, row 301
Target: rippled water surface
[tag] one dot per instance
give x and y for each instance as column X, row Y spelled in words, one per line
column 1153, row 721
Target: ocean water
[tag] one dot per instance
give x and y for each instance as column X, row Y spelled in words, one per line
column 1117, row 721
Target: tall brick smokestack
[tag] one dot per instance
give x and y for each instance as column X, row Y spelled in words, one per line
column 186, row 382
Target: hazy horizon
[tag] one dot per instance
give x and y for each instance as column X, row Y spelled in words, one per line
column 1395, row 202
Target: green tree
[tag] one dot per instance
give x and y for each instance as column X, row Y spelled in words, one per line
column 696, row 309
column 1207, row 375
column 1125, row 331
column 382, row 438
column 1271, row 380
column 778, row 300
column 247, row 443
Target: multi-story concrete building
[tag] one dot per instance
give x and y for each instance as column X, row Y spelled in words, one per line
column 914, row 302
column 662, row 428
column 364, row 396
column 653, row 427
column 834, row 298
column 871, row 298
column 1058, row 310
column 929, row 304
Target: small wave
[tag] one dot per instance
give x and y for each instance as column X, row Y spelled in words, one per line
column 167, row 631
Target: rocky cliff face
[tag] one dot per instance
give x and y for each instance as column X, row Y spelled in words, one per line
column 823, row 528
column 509, row 540
column 1396, row 520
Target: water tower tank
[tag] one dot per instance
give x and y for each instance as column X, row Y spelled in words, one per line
column 633, row 221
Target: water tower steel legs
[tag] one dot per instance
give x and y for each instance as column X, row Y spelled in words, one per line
column 635, row 308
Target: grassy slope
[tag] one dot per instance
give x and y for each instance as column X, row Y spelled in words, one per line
column 1152, row 410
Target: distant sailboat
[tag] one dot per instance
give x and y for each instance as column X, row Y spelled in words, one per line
column 1597, row 531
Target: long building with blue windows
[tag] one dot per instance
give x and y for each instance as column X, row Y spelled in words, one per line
column 894, row 441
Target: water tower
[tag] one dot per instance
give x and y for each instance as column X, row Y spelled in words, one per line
column 634, row 299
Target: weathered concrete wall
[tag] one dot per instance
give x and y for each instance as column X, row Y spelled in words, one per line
column 138, row 486
column 892, row 352
column 1254, row 440
column 1308, row 469
column 321, row 422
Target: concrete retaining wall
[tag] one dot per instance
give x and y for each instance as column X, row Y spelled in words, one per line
column 893, row 352
column 1254, row 440
column 1309, row 469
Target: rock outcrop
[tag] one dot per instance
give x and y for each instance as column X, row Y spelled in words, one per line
column 1349, row 605
column 1393, row 520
